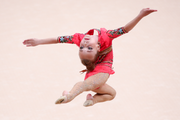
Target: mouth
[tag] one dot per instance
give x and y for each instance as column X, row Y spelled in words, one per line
column 86, row 38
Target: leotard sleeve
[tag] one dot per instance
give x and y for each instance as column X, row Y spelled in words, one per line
column 116, row 32
column 72, row 39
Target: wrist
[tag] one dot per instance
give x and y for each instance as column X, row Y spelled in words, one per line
column 39, row 42
column 140, row 16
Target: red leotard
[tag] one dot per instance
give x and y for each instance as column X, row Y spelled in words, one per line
column 105, row 38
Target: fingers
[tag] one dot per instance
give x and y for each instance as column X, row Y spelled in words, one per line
column 146, row 11
column 28, row 45
column 25, row 42
column 28, row 42
column 150, row 10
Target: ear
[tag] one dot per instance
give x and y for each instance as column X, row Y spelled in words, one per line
column 98, row 47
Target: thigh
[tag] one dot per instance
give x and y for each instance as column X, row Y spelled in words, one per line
column 96, row 80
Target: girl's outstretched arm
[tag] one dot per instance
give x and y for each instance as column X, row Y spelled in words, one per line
column 34, row 41
column 144, row 12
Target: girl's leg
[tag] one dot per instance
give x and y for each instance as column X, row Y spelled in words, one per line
column 90, row 83
column 104, row 93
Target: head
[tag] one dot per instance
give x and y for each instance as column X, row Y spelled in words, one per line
column 88, row 51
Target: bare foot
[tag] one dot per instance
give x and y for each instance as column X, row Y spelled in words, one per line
column 89, row 101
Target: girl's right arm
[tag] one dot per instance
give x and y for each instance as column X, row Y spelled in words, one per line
column 34, row 41
column 61, row 39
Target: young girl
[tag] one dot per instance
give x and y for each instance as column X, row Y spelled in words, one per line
column 95, row 52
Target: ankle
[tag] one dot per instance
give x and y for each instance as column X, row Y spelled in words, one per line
column 89, row 97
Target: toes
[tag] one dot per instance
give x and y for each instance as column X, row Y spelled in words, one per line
column 88, row 103
column 60, row 100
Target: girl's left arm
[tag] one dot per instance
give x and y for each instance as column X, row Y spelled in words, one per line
column 144, row 12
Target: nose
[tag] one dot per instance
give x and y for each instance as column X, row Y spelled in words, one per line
column 85, row 42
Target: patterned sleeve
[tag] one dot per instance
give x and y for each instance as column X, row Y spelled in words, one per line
column 116, row 32
column 72, row 39
column 65, row 39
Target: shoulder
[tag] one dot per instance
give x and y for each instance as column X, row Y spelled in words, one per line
column 104, row 39
column 77, row 37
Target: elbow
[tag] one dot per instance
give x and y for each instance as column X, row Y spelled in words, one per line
column 126, row 29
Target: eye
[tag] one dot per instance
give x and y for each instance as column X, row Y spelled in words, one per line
column 90, row 48
column 81, row 47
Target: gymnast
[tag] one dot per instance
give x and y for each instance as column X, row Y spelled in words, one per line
column 95, row 52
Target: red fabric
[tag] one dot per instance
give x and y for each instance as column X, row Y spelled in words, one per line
column 105, row 39
column 105, row 42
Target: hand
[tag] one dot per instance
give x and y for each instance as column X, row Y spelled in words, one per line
column 31, row 42
column 146, row 11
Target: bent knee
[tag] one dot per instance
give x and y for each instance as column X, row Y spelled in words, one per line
column 113, row 94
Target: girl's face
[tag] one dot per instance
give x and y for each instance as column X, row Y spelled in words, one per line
column 89, row 47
